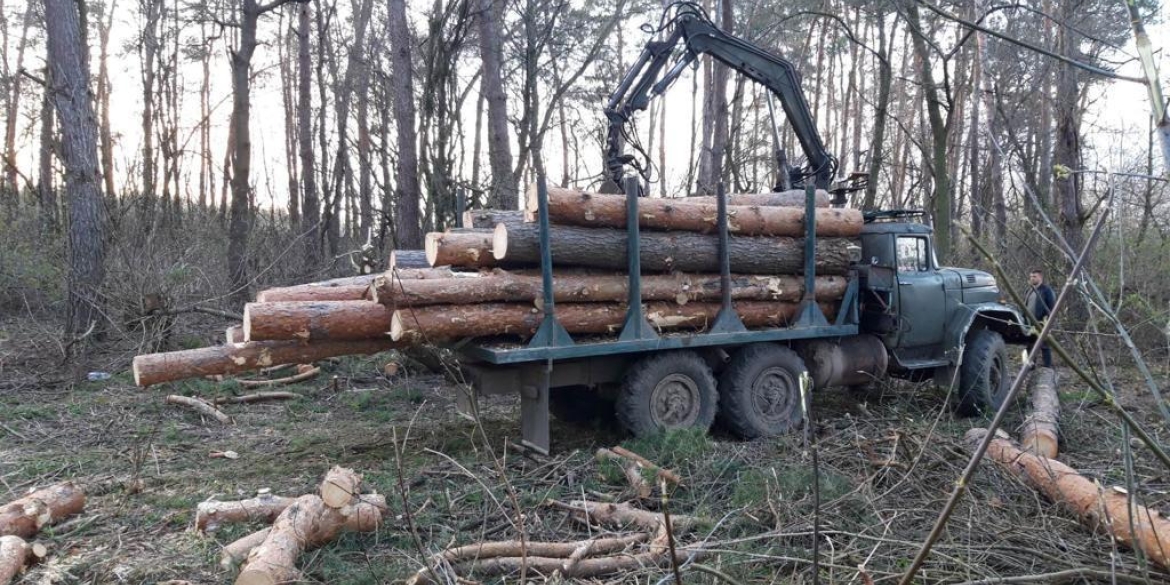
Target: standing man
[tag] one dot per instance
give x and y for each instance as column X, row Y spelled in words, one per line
column 1039, row 303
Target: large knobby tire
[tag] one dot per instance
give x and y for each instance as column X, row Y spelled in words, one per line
column 666, row 391
column 759, row 392
column 983, row 375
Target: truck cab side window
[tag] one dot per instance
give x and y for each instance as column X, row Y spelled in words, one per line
column 913, row 254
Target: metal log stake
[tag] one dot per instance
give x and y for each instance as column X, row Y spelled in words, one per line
column 727, row 321
column 635, row 327
column 810, row 314
column 550, row 333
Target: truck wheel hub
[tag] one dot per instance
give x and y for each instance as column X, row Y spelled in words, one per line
column 773, row 394
column 675, row 401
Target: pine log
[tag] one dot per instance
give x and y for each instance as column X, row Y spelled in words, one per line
column 790, row 198
column 439, row 322
column 1041, row 430
column 156, row 368
column 1095, row 507
column 512, row 548
column 201, row 406
column 234, row 553
column 568, row 287
column 585, row 568
column 599, row 210
column 418, row 273
column 348, row 292
column 467, row 248
column 622, row 516
column 209, row 516
column 488, row 218
column 408, row 259
column 519, row 245
column 315, row 321
column 234, row 334
column 255, row 397
column 305, row 524
column 15, row 555
column 26, row 516
column 661, row 473
column 340, row 487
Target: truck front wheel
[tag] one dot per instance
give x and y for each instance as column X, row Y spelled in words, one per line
column 983, row 375
column 760, row 391
column 667, row 391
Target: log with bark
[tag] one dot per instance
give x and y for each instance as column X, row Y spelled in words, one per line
column 234, row 334
column 237, row 551
column 441, row 322
column 209, row 516
column 201, row 406
column 1041, row 430
column 352, row 288
column 401, row 259
column 467, row 248
column 315, row 321
column 156, row 368
column 488, row 218
column 570, row 287
column 518, row 245
column 306, row 523
column 26, row 516
column 790, row 198
column 600, row 210
column 1097, row 508
column 621, row 516
column 16, row 555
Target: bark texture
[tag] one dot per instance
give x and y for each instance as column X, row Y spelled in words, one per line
column 69, row 77
column 490, row 17
column 599, row 210
column 437, row 322
column 156, row 368
column 209, row 516
column 519, row 245
column 503, row 286
column 315, row 321
column 15, row 554
column 26, row 516
column 407, row 227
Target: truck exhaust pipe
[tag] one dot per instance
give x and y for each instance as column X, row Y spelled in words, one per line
column 849, row 361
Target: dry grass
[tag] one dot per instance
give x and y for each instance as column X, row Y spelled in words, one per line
column 888, row 460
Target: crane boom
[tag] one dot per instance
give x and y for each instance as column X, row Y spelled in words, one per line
column 690, row 27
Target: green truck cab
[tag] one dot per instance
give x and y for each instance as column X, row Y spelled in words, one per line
column 934, row 321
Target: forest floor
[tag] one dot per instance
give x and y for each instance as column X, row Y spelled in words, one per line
column 888, row 460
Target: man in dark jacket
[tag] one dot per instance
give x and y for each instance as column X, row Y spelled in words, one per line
column 1039, row 303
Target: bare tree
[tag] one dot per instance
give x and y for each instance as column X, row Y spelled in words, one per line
column 504, row 192
column 13, row 102
column 407, row 228
column 69, row 80
column 241, row 150
column 312, row 207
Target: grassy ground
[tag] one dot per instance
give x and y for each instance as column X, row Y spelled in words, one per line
column 888, row 459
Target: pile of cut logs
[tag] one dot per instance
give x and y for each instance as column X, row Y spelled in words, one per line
column 483, row 280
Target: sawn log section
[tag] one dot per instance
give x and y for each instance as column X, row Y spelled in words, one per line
column 597, row 210
column 568, row 287
column 518, row 245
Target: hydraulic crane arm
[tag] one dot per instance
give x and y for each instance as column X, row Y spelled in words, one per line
column 691, row 27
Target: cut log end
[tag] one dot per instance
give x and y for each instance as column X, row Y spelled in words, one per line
column 246, row 328
column 397, row 327
column 340, row 486
column 431, row 247
column 500, row 241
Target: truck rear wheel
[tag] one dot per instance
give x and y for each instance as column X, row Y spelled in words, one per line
column 666, row 391
column 759, row 391
column 983, row 375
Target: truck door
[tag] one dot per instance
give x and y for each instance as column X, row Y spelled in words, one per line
column 921, row 298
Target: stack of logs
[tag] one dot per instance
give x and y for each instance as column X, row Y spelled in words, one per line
column 484, row 280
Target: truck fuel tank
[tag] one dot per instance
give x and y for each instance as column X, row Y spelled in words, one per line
column 848, row 361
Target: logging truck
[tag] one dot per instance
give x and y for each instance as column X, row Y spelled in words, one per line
column 901, row 315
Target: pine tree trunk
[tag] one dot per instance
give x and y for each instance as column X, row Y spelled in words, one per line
column 312, row 206
column 407, row 216
column 504, row 192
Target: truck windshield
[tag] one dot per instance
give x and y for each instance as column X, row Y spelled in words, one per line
column 913, row 254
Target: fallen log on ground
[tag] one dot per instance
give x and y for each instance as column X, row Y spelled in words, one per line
column 16, row 555
column 568, row 287
column 340, row 487
column 790, row 198
column 518, row 245
column 621, row 516
column 661, row 473
column 209, row 516
column 467, row 248
column 157, row 368
column 1041, row 430
column 26, row 516
column 304, row 372
column 237, row 551
column 306, row 523
column 600, row 210
column 440, row 322
column 1096, row 508
column 201, row 406
column 631, row 470
column 256, row 397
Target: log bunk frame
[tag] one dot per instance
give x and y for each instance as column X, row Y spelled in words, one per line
column 498, row 369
